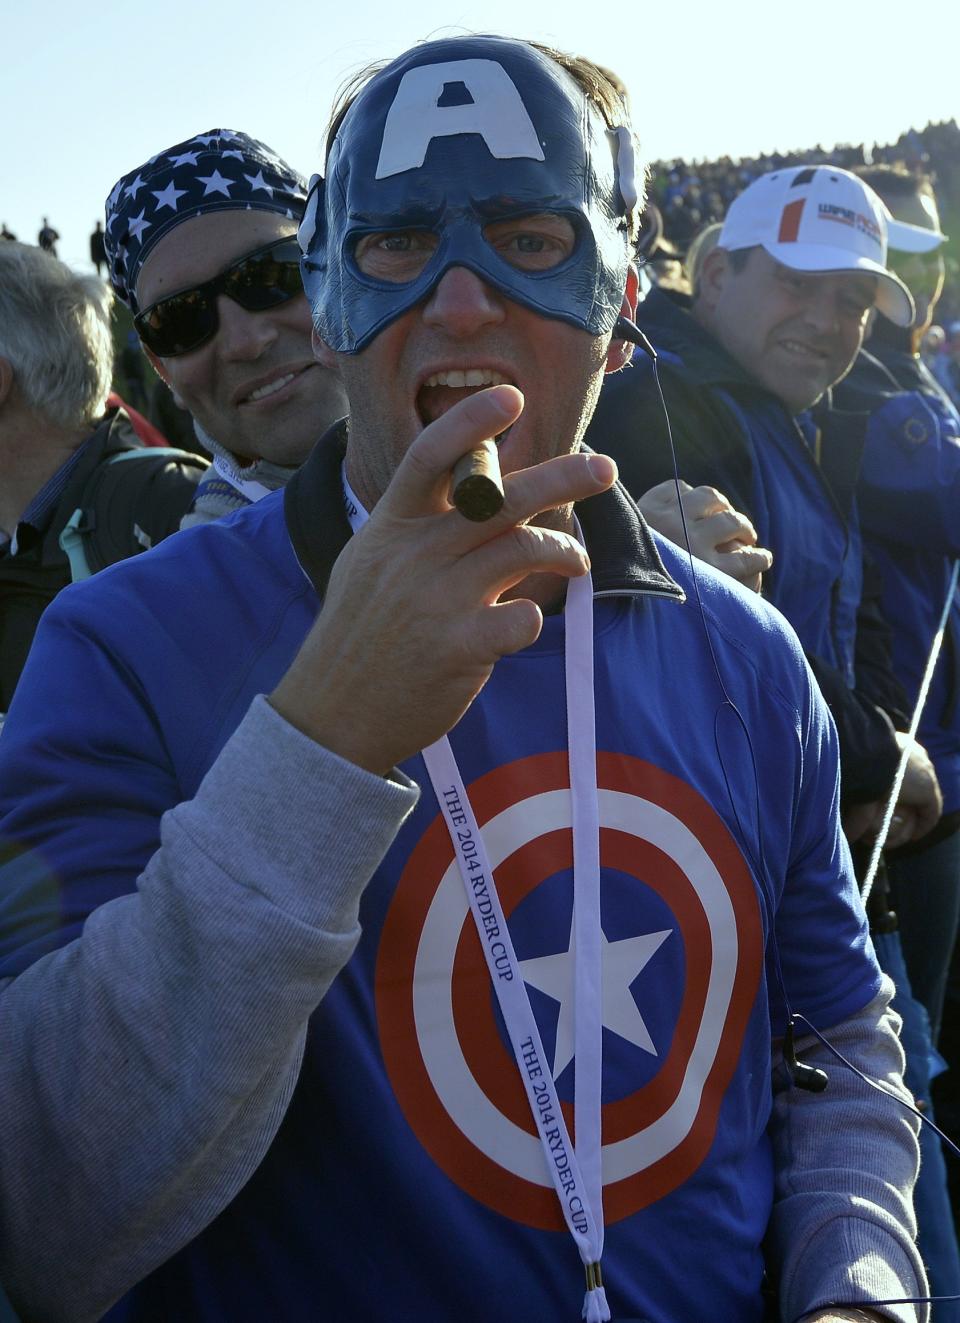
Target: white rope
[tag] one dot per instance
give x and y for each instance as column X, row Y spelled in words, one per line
column 879, row 843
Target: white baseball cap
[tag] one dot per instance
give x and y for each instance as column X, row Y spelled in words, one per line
column 819, row 218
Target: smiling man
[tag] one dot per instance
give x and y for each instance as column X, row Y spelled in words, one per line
column 777, row 318
column 361, row 873
column 201, row 244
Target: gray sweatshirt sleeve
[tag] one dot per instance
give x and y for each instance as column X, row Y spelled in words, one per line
column 845, row 1161
column 148, row 1064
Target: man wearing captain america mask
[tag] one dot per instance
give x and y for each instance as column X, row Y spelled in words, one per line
column 439, row 171
column 389, row 223
column 455, row 983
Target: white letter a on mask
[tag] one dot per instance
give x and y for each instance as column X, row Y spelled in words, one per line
column 497, row 113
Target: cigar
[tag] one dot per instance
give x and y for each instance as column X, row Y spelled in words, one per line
column 477, row 488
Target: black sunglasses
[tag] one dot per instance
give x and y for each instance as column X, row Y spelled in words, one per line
column 262, row 279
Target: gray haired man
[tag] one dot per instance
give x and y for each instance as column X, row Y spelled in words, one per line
column 56, row 362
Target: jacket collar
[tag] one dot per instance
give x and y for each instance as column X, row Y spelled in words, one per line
column 623, row 553
column 669, row 321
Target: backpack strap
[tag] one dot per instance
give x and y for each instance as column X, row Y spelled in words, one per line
column 72, row 545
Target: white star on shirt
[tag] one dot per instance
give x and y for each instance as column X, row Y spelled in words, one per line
column 114, row 195
column 205, row 138
column 185, row 158
column 168, row 198
column 133, row 189
column 216, row 183
column 233, row 152
column 138, row 225
column 622, row 961
column 257, row 181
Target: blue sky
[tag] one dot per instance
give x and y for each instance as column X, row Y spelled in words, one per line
column 87, row 95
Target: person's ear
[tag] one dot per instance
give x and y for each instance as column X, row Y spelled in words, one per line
column 621, row 351
column 322, row 352
column 712, row 280
column 6, row 380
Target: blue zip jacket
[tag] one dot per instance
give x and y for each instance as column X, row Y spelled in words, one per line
column 406, row 1131
column 909, row 498
column 731, row 434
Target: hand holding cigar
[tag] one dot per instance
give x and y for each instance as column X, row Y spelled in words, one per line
column 476, row 486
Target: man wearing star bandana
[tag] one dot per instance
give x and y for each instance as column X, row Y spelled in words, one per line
column 201, row 246
column 446, row 986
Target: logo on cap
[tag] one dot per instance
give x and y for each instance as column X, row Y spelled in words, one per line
column 830, row 211
column 790, row 221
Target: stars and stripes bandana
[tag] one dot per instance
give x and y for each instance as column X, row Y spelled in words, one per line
column 216, row 171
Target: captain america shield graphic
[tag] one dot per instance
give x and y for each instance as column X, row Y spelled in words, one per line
column 682, row 950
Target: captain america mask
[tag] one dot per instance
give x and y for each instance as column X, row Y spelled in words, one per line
column 439, row 147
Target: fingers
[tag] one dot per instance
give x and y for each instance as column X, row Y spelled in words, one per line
column 423, row 475
column 920, row 791
column 914, row 815
column 520, row 551
column 421, row 482
column 903, row 825
column 556, row 482
column 704, row 501
column 858, row 819
column 700, row 502
column 728, row 526
column 507, row 627
column 746, row 564
column 926, row 816
column 863, row 822
column 697, row 501
column 710, row 518
column 663, row 495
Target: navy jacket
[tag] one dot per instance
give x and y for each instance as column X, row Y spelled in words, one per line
column 734, row 435
column 908, row 493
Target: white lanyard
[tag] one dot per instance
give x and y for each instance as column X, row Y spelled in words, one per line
column 253, row 491
column 576, row 1172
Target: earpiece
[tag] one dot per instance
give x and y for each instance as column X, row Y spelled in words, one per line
column 804, row 1076
column 625, row 329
